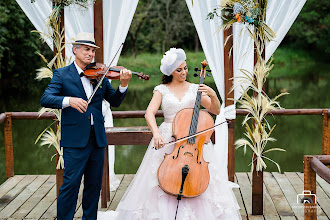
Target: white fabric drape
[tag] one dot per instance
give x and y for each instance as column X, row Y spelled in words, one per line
column 212, row 43
column 76, row 19
column 280, row 16
column 117, row 17
column 37, row 13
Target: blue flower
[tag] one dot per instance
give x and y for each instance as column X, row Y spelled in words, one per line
column 249, row 19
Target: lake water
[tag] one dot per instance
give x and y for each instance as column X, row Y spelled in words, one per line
column 298, row 135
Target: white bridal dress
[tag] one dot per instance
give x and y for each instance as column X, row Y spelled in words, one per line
column 144, row 199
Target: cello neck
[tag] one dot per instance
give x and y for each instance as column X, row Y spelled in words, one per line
column 194, row 120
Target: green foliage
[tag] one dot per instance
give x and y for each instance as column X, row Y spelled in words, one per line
column 18, row 45
column 311, row 29
column 167, row 24
column 297, row 63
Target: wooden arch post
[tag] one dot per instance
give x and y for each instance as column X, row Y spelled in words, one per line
column 257, row 177
column 228, row 74
column 99, row 58
column 59, row 172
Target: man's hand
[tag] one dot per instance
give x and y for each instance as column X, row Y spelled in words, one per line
column 125, row 76
column 78, row 103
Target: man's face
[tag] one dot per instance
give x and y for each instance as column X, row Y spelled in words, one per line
column 84, row 54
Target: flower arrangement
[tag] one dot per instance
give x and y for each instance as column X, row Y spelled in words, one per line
column 248, row 12
column 64, row 3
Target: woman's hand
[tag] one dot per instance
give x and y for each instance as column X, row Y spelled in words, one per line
column 159, row 141
column 210, row 99
column 206, row 90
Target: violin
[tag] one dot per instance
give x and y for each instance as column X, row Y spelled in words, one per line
column 97, row 70
column 184, row 172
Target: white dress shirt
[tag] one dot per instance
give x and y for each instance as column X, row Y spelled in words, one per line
column 88, row 87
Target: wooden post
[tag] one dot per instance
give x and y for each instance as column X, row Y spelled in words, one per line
column 229, row 73
column 59, row 172
column 9, row 151
column 310, row 184
column 98, row 30
column 257, row 190
column 325, row 132
column 105, row 181
column 257, row 177
column 99, row 58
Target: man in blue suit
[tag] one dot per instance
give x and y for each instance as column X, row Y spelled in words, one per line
column 83, row 135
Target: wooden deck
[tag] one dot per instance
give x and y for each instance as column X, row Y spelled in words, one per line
column 34, row 196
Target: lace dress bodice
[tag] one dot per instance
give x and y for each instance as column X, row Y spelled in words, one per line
column 171, row 105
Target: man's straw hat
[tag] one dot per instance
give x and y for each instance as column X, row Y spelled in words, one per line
column 86, row 39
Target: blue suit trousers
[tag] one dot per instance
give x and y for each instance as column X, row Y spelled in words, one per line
column 87, row 161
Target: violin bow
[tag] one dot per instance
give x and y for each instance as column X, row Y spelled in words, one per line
column 105, row 73
column 193, row 135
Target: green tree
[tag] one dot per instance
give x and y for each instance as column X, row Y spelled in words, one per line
column 141, row 15
column 311, row 30
column 160, row 24
column 18, row 60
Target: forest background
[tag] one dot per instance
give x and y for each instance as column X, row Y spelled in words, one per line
column 157, row 25
column 301, row 68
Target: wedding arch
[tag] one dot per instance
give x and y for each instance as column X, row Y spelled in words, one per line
column 225, row 59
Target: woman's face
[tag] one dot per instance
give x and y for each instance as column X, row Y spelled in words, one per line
column 180, row 73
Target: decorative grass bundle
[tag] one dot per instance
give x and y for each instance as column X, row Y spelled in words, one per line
column 50, row 137
column 258, row 135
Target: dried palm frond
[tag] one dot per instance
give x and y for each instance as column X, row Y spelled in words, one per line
column 57, row 112
column 50, row 138
column 43, row 73
column 257, row 139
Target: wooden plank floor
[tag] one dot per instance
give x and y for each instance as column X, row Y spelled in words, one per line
column 34, row 197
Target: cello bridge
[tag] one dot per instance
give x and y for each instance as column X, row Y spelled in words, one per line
column 188, row 153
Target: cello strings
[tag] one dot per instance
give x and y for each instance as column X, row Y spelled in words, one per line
column 193, row 135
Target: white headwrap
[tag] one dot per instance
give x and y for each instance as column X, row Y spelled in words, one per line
column 172, row 59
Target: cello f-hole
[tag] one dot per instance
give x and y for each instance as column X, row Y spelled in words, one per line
column 199, row 162
column 178, row 152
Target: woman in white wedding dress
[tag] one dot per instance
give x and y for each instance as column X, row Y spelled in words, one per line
column 144, row 199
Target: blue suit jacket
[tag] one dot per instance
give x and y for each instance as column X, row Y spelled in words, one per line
column 75, row 126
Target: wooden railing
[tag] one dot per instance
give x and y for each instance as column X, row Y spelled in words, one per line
column 314, row 165
column 140, row 136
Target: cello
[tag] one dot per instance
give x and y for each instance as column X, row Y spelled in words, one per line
column 184, row 173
